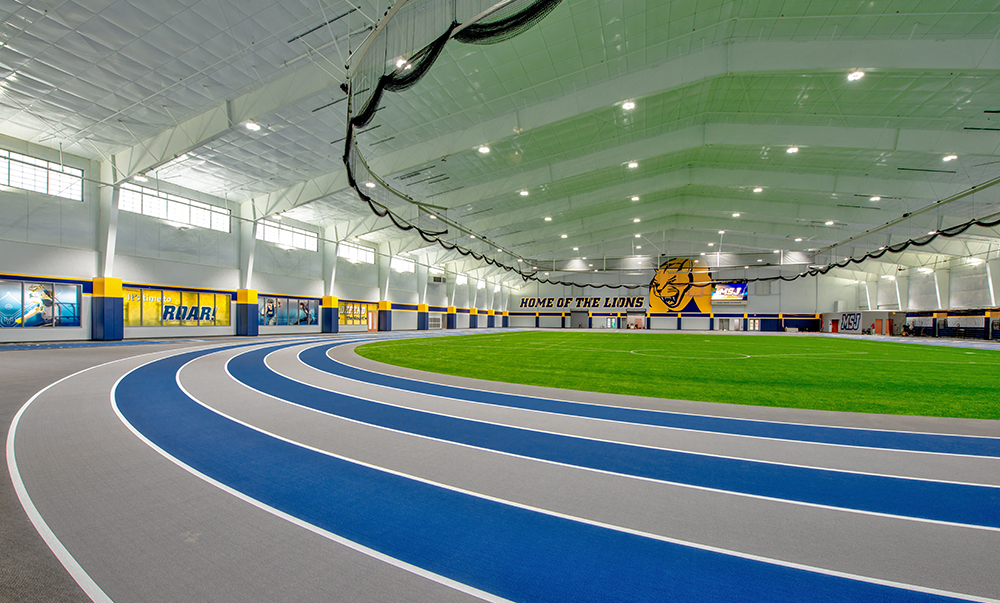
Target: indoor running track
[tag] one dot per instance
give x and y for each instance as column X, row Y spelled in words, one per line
column 297, row 471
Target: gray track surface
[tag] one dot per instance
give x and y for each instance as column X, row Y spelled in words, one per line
column 145, row 529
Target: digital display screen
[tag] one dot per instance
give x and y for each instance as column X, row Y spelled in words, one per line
column 730, row 294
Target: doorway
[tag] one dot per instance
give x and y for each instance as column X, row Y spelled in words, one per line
column 835, row 325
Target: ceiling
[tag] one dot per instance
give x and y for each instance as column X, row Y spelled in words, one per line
column 721, row 91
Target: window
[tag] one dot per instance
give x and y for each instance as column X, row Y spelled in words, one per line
column 155, row 204
column 286, row 236
column 40, row 176
column 461, row 279
column 356, row 254
column 402, row 264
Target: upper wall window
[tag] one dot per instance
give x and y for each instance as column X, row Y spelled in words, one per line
column 356, row 253
column 40, row 176
column 402, row 264
column 156, row 204
column 286, row 236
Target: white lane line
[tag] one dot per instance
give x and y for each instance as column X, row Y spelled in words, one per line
column 760, row 558
column 413, row 569
column 606, row 472
column 590, row 438
column 686, row 414
column 76, row 571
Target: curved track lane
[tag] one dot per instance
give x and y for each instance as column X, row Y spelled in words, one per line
column 300, row 480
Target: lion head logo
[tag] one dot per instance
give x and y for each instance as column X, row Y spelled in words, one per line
column 677, row 284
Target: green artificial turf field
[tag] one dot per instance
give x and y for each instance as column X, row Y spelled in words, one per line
column 791, row 371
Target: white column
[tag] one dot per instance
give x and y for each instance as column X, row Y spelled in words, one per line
column 330, row 258
column 450, row 287
column 942, row 288
column 993, row 280
column 903, row 292
column 382, row 260
column 422, row 277
column 248, row 244
column 868, row 295
column 108, row 225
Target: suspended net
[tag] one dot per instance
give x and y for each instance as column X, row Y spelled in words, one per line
column 401, row 51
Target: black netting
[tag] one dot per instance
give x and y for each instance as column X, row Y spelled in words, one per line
column 502, row 25
column 948, row 233
column 506, row 23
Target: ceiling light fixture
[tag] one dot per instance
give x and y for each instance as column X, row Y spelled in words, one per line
column 855, row 75
column 777, row 251
column 829, row 222
column 758, row 190
column 400, row 62
column 565, row 236
column 548, row 218
column 628, row 105
column 711, row 244
column 798, row 240
column 975, row 261
column 632, row 165
column 635, row 197
column 140, row 178
column 933, row 232
column 484, row 149
column 370, row 184
column 523, row 193
column 253, row 126
column 702, row 253
column 792, row 150
column 472, row 236
column 759, row 260
column 925, row 270
column 576, row 249
column 433, row 217
column 638, row 235
column 736, row 214
column 722, row 232
column 638, row 246
column 875, row 198
column 636, row 220
column 949, row 158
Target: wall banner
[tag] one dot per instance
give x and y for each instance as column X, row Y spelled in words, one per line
column 29, row 304
column 681, row 285
column 166, row 308
column 280, row 311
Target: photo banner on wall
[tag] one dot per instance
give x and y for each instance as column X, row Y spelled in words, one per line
column 28, row 304
column 281, row 311
column 681, row 285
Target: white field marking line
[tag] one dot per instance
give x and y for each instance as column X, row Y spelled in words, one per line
column 76, row 571
column 740, row 356
column 672, row 412
column 579, row 437
column 779, row 562
column 448, row 582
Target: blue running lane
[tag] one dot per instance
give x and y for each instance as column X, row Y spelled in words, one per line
column 958, row 503
column 894, row 440
column 511, row 552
